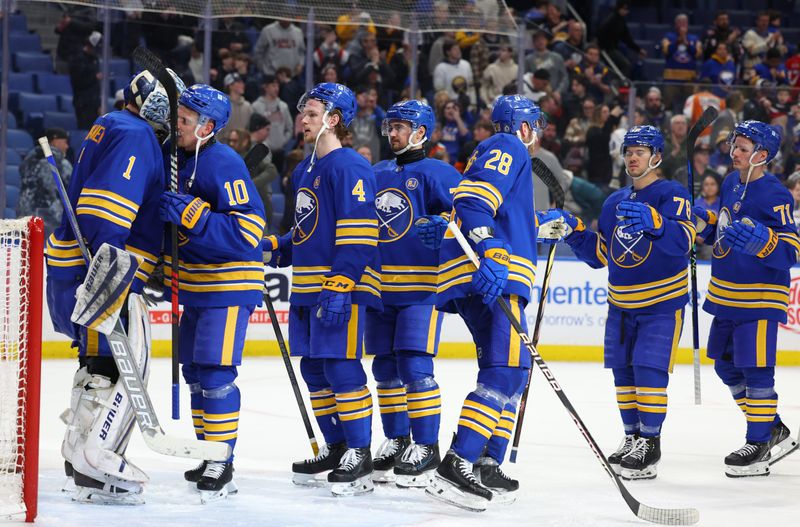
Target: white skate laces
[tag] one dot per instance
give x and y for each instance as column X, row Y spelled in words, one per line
column 747, row 450
column 415, row 453
column 350, row 459
column 214, row 470
column 389, row 448
column 323, row 453
column 639, row 449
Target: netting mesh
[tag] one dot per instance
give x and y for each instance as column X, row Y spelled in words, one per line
column 429, row 15
column 14, row 243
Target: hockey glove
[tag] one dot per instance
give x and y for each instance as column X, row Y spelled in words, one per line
column 750, row 237
column 430, row 230
column 636, row 217
column 334, row 300
column 550, row 226
column 269, row 250
column 185, row 210
column 492, row 275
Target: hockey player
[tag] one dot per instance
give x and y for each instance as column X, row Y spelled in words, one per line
column 755, row 245
column 644, row 235
column 333, row 248
column 119, row 164
column 220, row 219
column 493, row 205
column 404, row 337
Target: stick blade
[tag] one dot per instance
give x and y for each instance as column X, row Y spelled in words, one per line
column 159, row 442
column 255, row 156
column 668, row 516
column 708, row 116
column 546, row 175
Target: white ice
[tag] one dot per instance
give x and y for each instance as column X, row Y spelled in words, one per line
column 562, row 483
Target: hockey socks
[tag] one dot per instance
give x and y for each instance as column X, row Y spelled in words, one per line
column 498, row 443
column 323, row 403
column 424, row 410
column 221, row 414
column 394, row 409
column 355, row 413
column 476, row 424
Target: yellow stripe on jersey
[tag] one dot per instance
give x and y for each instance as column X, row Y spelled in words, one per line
column 790, row 238
column 748, row 296
column 481, row 190
column 601, row 249
column 63, row 253
column 648, row 293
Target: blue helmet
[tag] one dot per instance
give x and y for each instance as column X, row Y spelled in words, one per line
column 510, row 111
column 335, row 97
column 415, row 112
column 647, row 135
column 764, row 136
column 209, row 102
column 147, row 94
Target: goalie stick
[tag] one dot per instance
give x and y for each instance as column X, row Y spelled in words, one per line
column 129, row 375
column 149, row 61
column 708, row 117
column 557, row 196
column 687, row 516
column 252, row 160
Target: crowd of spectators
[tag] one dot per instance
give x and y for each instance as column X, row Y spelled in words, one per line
column 582, row 84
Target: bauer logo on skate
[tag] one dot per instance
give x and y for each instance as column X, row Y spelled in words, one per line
column 395, row 214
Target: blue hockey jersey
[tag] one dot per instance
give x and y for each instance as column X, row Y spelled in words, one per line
column 114, row 191
column 335, row 230
column 645, row 274
column 496, row 192
column 406, row 192
column 745, row 287
column 221, row 265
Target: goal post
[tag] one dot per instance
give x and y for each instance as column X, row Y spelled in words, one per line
column 21, row 282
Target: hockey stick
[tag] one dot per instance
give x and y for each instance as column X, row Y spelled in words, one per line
column 252, row 160
column 557, row 195
column 146, row 59
column 129, row 375
column 651, row 514
column 704, row 122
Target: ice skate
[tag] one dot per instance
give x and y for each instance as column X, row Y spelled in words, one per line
column 455, row 483
column 625, row 446
column 750, row 460
column 488, row 473
column 305, row 473
column 69, row 482
column 417, row 465
column 193, row 476
column 353, row 476
column 642, row 461
column 114, row 491
column 387, row 457
column 216, row 483
column 781, row 443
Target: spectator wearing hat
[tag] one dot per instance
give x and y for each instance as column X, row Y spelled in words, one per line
column 497, row 74
column 276, row 111
column 38, row 195
column 537, row 84
column 615, row 30
column 241, row 110
column 454, row 74
column 85, row 75
column 280, row 44
column 720, row 158
column 266, row 172
column 542, row 58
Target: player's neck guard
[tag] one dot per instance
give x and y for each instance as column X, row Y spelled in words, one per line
column 411, row 156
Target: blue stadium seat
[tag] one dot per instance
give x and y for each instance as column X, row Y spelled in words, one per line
column 18, row 23
column 65, row 103
column 644, row 15
column 53, row 84
column 12, row 157
column 65, row 120
column 32, row 61
column 12, row 120
column 33, row 103
column 653, row 69
column 12, row 197
column 12, row 176
column 76, row 138
column 276, row 223
column 276, row 186
column 10, row 214
column 19, row 140
column 20, row 82
column 120, row 68
column 24, row 42
column 744, row 20
column 278, row 203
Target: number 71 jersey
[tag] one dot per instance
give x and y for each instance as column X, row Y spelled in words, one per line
column 496, row 192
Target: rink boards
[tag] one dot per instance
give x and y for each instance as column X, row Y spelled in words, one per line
column 572, row 329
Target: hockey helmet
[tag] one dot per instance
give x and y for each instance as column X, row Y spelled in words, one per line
column 647, row 136
column 209, row 102
column 510, row 111
column 415, row 112
column 334, row 97
column 764, row 136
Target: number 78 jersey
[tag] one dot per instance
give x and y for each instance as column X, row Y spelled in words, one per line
column 496, row 192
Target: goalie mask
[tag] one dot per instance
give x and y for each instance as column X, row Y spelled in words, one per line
column 150, row 97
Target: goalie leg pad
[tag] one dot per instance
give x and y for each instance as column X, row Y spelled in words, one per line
column 101, row 297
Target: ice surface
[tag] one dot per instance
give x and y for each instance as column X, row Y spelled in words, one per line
column 562, row 483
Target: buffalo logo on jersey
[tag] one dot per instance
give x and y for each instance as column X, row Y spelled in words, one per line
column 306, row 215
column 723, row 221
column 629, row 250
column 395, row 214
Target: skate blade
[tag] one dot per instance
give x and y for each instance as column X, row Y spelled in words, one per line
column 783, row 449
column 616, row 467
column 362, row 485
column 419, row 481
column 69, row 486
column 309, row 480
column 630, row 475
column 210, row 496
column 503, row 498
column 756, row 469
column 99, row 497
column 383, row 476
column 445, row 491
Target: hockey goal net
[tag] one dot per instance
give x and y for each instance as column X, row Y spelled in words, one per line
column 21, row 277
